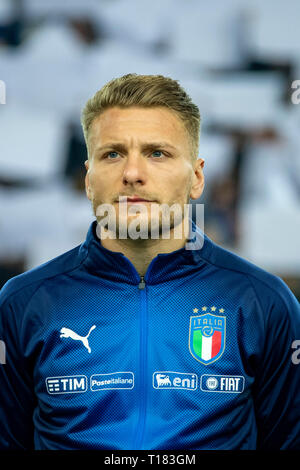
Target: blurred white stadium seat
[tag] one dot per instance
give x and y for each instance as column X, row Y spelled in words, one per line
column 110, row 14
column 52, row 40
column 270, row 237
column 217, row 151
column 246, row 100
column 199, row 87
column 62, row 229
column 243, row 100
column 269, row 215
column 42, row 223
column 273, row 31
column 206, row 34
column 32, row 143
column 12, row 243
column 35, row 9
column 46, row 73
column 6, row 9
column 266, row 176
column 145, row 25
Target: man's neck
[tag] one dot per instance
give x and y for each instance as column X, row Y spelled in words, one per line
column 142, row 251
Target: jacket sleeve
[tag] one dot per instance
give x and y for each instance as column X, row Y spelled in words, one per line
column 16, row 386
column 277, row 384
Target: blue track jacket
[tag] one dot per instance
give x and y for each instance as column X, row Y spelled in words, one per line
column 196, row 355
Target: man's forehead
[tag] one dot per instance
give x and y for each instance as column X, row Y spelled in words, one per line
column 155, row 123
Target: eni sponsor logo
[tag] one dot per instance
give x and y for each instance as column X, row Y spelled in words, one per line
column 170, row 380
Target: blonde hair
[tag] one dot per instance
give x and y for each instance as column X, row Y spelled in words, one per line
column 145, row 91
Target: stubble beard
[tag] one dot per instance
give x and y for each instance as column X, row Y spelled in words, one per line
column 160, row 223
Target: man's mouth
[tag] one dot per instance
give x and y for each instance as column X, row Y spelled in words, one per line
column 133, row 199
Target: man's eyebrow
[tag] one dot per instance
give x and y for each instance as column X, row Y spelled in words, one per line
column 110, row 145
column 123, row 148
column 151, row 145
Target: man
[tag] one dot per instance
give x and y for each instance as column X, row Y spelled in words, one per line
column 162, row 342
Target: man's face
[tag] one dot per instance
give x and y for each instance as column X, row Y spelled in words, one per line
column 141, row 153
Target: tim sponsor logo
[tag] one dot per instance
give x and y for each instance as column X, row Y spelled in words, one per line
column 66, row 384
column 222, row 383
column 174, row 380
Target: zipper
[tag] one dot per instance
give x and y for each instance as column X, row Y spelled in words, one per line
column 142, row 283
column 143, row 366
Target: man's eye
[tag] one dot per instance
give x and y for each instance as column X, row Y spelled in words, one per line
column 112, row 155
column 157, row 153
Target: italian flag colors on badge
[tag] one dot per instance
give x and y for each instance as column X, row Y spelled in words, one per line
column 207, row 347
column 207, row 337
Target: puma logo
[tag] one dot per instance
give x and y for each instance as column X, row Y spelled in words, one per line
column 67, row 333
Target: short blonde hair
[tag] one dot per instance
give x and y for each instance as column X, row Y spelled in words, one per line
column 145, row 91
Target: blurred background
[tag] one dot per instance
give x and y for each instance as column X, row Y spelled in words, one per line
column 237, row 59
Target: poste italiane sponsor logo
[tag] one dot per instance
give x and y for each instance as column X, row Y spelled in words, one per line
column 114, row 380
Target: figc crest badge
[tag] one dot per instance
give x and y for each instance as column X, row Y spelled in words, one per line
column 207, row 337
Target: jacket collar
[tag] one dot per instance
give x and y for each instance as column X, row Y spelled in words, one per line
column 115, row 266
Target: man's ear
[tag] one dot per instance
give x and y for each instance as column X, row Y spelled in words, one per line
column 87, row 181
column 198, row 179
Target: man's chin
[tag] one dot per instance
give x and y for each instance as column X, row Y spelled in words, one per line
column 134, row 229
column 141, row 222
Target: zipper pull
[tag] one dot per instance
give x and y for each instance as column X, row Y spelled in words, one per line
column 142, row 283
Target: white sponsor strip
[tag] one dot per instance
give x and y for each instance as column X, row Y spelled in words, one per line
column 112, row 381
column 222, row 383
column 66, row 384
column 171, row 380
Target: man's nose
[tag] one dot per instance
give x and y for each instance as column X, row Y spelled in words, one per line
column 134, row 169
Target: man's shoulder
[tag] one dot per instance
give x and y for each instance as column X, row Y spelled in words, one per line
column 26, row 283
column 264, row 283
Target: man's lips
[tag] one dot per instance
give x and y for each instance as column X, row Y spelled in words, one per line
column 133, row 199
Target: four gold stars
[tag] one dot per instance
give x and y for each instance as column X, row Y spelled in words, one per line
column 204, row 309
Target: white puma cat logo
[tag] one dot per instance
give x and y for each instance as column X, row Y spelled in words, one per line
column 67, row 333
